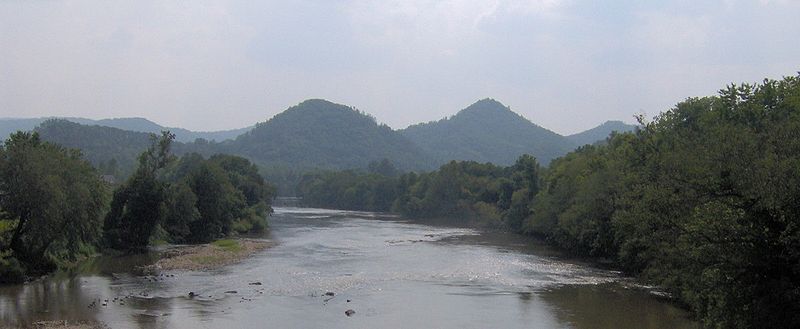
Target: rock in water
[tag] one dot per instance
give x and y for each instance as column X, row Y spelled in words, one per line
column 349, row 312
column 329, row 293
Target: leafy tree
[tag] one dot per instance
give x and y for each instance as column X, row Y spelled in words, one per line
column 181, row 213
column 219, row 203
column 138, row 205
column 52, row 201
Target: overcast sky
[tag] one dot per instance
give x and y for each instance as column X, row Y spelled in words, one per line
column 565, row 65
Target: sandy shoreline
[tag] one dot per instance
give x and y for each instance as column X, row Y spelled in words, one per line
column 206, row 256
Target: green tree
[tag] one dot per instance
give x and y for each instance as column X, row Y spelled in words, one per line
column 219, row 203
column 52, row 201
column 138, row 205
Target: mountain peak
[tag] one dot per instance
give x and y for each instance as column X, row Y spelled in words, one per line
column 487, row 131
column 317, row 102
column 320, row 133
column 486, row 105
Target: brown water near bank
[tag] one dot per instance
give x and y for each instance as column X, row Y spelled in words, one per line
column 393, row 273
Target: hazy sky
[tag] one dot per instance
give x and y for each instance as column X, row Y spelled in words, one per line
column 208, row 65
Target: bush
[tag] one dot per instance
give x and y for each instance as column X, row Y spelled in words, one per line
column 11, row 270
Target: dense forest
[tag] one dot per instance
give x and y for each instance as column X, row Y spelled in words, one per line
column 55, row 209
column 703, row 201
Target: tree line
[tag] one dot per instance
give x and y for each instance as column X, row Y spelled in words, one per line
column 704, row 201
column 55, row 209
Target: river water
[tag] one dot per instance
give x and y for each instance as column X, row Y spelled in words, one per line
column 391, row 272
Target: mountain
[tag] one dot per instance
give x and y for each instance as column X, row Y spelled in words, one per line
column 318, row 133
column 102, row 146
column 487, row 131
column 8, row 126
column 599, row 133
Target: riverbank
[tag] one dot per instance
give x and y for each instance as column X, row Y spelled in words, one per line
column 206, row 256
column 68, row 325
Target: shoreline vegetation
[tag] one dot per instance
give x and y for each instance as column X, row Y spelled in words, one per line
column 701, row 201
column 60, row 211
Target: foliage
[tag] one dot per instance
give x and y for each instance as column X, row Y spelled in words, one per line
column 138, row 205
column 703, row 201
column 348, row 190
column 216, row 197
column 466, row 190
column 52, row 203
column 192, row 200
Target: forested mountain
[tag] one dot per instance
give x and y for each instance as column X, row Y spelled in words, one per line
column 318, row 133
column 487, row 131
column 321, row 134
column 112, row 150
column 8, row 126
column 600, row 132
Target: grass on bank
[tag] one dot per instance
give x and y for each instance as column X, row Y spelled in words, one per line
column 229, row 245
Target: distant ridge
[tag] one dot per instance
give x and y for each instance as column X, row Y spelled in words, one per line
column 10, row 125
column 320, row 134
column 487, row 131
column 600, row 133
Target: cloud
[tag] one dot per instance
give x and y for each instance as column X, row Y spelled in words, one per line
column 213, row 65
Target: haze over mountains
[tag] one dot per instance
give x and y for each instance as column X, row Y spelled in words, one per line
column 10, row 125
column 599, row 133
column 487, row 131
column 320, row 134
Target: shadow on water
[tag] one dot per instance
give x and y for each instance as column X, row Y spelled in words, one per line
column 612, row 306
column 67, row 295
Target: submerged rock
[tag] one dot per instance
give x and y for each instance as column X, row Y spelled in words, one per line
column 329, row 293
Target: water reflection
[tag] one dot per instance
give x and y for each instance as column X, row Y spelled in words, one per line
column 601, row 306
column 392, row 272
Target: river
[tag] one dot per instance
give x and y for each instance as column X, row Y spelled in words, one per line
column 392, row 273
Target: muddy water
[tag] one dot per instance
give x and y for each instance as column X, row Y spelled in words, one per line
column 392, row 273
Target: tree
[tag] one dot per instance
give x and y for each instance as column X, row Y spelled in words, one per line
column 219, row 203
column 53, row 200
column 138, row 206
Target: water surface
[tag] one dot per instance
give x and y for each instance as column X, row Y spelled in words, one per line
column 392, row 273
